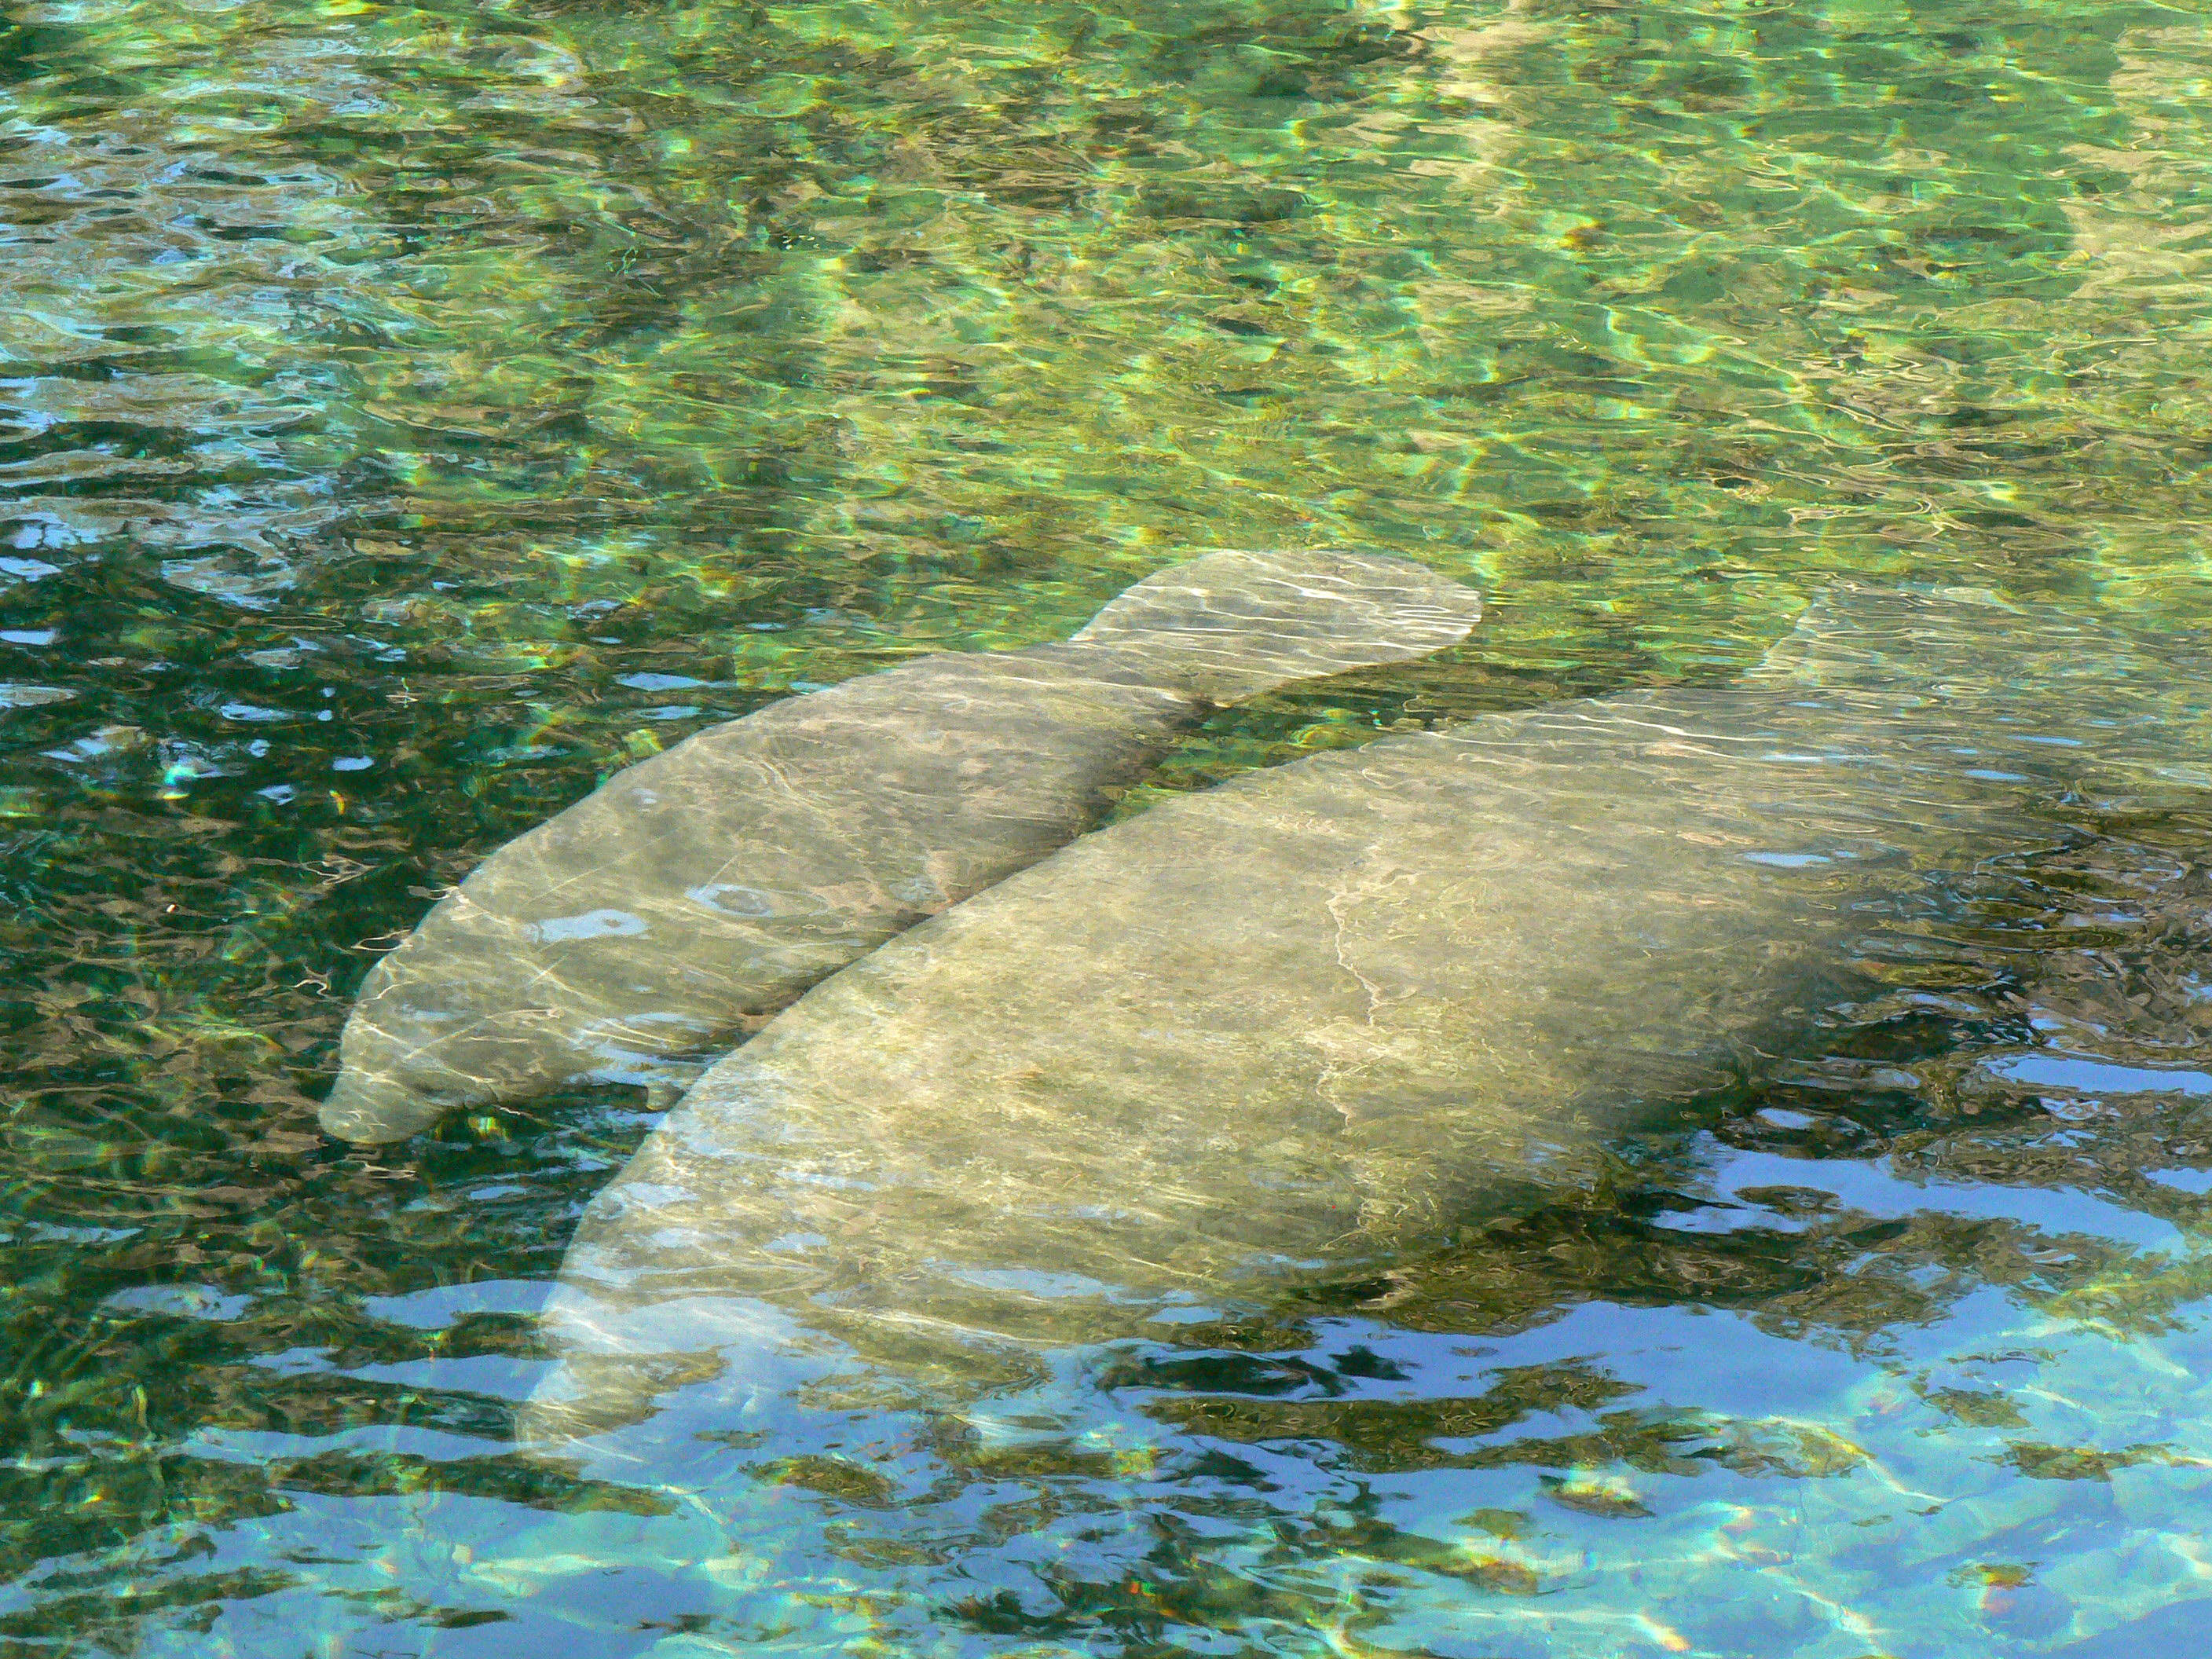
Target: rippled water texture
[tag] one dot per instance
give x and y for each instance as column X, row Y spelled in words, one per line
column 411, row 414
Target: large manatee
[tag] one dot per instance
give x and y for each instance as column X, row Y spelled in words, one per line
column 1326, row 1012
column 701, row 890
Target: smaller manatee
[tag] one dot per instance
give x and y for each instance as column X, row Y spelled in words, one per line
column 699, row 892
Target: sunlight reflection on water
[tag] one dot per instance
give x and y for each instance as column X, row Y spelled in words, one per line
column 402, row 404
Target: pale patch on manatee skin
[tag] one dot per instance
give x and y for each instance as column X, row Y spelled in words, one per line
column 1322, row 1015
column 592, row 924
column 698, row 892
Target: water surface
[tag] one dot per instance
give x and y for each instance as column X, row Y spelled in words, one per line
column 411, row 414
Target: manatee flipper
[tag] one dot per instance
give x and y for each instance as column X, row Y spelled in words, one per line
column 695, row 893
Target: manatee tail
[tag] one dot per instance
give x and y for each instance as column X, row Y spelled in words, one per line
column 2113, row 710
column 1952, row 642
column 1236, row 624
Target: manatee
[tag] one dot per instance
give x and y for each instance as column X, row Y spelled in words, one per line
column 696, row 893
column 1324, row 1015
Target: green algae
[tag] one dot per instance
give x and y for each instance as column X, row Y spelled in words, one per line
column 521, row 386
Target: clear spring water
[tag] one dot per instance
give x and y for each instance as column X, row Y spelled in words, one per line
column 410, row 414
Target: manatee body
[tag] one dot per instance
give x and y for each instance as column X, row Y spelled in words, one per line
column 699, row 892
column 1319, row 1014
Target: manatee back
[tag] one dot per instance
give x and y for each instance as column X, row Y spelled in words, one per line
column 1323, row 1011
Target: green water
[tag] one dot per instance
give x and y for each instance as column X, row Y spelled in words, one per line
column 410, row 415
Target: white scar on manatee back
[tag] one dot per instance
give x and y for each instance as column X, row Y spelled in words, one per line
column 1324, row 1013
column 698, row 892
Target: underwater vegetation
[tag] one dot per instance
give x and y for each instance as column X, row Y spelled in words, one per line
column 413, row 414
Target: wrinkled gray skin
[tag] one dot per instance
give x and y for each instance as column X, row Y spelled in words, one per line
column 1318, row 1016
column 699, row 892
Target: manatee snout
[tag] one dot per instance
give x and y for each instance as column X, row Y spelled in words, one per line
column 374, row 1106
column 643, row 1381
